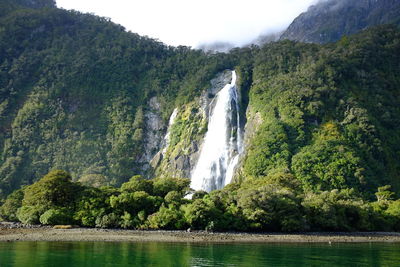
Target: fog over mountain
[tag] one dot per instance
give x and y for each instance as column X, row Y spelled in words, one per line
column 329, row 20
column 196, row 23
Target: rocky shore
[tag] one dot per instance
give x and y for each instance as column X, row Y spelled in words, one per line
column 17, row 232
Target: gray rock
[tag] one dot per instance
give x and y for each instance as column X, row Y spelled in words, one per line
column 219, row 82
column 153, row 134
column 329, row 20
column 156, row 159
column 182, row 163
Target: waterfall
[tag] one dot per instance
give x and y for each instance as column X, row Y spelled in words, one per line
column 167, row 136
column 222, row 143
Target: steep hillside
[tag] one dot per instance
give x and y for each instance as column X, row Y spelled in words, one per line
column 324, row 115
column 79, row 93
column 329, row 20
column 7, row 6
column 328, row 115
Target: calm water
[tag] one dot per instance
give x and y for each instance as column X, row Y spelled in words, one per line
column 166, row 254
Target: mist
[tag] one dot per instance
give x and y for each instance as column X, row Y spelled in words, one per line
column 196, row 23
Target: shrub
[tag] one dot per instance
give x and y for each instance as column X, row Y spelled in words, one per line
column 8, row 211
column 199, row 194
column 29, row 214
column 128, row 221
column 162, row 186
column 108, row 221
column 137, row 183
column 202, row 211
column 173, row 197
column 56, row 216
column 167, row 218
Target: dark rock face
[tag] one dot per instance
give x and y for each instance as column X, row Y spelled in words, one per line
column 329, row 20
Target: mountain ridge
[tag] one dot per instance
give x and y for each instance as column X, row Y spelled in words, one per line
column 329, row 20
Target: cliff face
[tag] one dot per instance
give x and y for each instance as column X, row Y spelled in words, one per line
column 329, row 20
column 186, row 131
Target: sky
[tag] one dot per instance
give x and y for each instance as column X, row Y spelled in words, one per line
column 194, row 22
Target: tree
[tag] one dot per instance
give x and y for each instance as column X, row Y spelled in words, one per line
column 384, row 193
column 93, row 203
column 168, row 218
column 202, row 214
column 8, row 211
column 138, row 183
column 56, row 216
column 55, row 189
column 162, row 186
column 271, row 208
column 30, row 214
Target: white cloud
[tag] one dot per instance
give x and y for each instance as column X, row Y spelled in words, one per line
column 188, row 22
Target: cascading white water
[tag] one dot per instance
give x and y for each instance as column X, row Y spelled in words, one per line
column 167, row 136
column 222, row 143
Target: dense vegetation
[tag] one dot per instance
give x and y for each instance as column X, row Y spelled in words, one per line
column 73, row 91
column 328, row 115
column 323, row 138
column 274, row 204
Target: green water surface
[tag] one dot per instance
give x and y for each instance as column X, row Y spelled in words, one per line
column 78, row 254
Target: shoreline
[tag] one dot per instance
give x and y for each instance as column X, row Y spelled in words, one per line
column 119, row 235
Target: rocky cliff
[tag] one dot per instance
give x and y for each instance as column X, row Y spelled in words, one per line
column 185, row 134
column 329, row 20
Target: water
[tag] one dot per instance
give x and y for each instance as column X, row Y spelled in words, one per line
column 222, row 143
column 22, row 254
column 167, row 136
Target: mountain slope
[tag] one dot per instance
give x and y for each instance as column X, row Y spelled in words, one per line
column 7, row 6
column 329, row 20
column 328, row 114
column 76, row 91
column 81, row 94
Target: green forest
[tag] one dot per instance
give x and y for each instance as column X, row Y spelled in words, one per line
column 323, row 153
column 275, row 204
